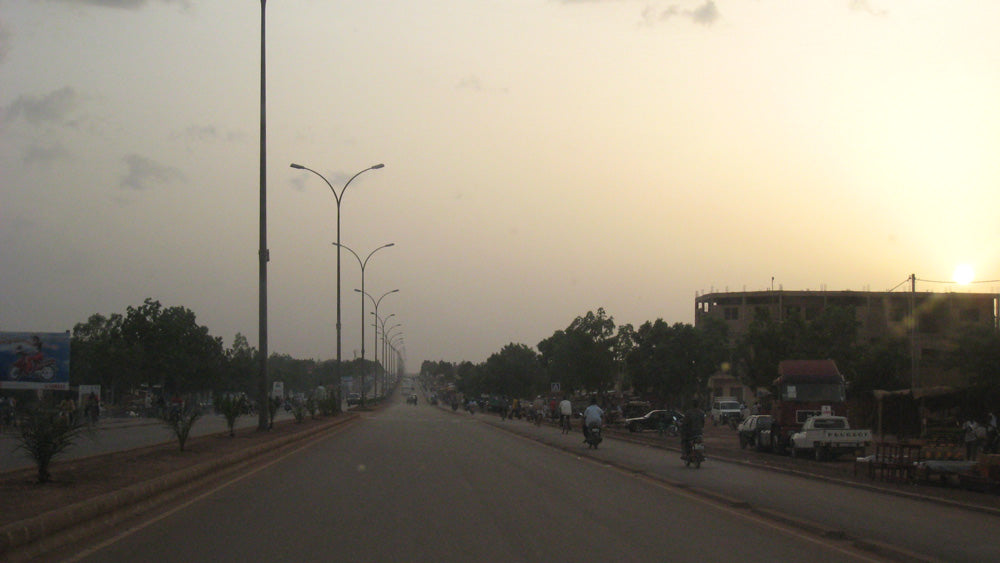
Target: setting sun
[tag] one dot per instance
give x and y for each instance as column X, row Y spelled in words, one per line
column 963, row 274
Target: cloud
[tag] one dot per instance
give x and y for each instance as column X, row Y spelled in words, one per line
column 142, row 171
column 4, row 41
column 50, row 108
column 706, row 14
column 200, row 134
column 45, row 155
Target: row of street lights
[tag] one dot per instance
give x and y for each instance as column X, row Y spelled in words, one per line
column 363, row 263
column 264, row 254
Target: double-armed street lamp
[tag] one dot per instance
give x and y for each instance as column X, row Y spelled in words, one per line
column 363, row 264
column 380, row 324
column 388, row 338
column 339, row 197
column 376, row 302
column 394, row 341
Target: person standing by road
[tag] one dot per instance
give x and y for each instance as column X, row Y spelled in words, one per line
column 972, row 431
column 565, row 412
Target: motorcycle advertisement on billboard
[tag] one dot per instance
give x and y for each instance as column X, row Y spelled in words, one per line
column 34, row 360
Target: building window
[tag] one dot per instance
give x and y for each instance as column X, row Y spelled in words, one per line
column 732, row 313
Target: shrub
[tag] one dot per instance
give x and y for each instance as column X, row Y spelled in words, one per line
column 231, row 407
column 180, row 420
column 43, row 434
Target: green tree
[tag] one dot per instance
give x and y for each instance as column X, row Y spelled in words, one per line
column 169, row 348
column 240, row 368
column 97, row 356
column 582, row 355
column 514, row 371
column 883, row 365
column 673, row 362
column 977, row 354
column 760, row 350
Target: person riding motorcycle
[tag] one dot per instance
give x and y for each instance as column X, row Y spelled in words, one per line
column 592, row 416
column 692, row 425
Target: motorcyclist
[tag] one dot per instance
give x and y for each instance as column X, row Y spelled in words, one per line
column 592, row 416
column 693, row 424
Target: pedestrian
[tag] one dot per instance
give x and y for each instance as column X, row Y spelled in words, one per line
column 565, row 412
column 972, row 431
column 991, row 434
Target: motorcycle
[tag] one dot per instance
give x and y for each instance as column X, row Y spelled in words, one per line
column 593, row 436
column 32, row 368
column 694, row 452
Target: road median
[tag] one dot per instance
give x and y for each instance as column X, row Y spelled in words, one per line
column 24, row 539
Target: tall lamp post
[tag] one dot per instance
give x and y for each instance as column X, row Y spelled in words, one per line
column 262, row 254
column 376, row 302
column 339, row 197
column 382, row 321
column 363, row 264
column 387, row 340
column 396, row 340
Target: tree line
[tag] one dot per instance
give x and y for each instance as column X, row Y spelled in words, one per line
column 152, row 345
column 160, row 347
column 671, row 363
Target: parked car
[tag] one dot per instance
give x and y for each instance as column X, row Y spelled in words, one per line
column 353, row 399
column 667, row 420
column 750, row 431
column 829, row 437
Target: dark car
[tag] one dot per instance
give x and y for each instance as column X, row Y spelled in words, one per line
column 749, row 431
column 353, row 399
column 659, row 420
column 412, row 399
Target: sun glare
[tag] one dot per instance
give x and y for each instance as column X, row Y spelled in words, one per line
column 964, row 274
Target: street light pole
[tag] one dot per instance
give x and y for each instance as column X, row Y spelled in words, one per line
column 339, row 197
column 363, row 264
column 375, row 332
column 262, row 254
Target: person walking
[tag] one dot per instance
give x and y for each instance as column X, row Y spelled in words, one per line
column 972, row 431
column 565, row 412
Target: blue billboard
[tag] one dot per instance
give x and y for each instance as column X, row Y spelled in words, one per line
column 34, row 360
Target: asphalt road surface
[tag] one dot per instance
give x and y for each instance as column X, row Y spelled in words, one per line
column 415, row 483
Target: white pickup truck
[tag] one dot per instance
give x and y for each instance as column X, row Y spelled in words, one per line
column 828, row 437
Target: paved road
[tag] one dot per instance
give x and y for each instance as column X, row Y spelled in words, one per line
column 420, row 484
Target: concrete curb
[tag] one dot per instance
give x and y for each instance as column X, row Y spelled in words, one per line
column 21, row 535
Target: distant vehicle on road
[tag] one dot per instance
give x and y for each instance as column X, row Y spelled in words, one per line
column 726, row 409
column 353, row 399
column 412, row 399
column 751, row 429
column 666, row 420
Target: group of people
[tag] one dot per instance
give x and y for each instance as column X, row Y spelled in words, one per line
column 980, row 437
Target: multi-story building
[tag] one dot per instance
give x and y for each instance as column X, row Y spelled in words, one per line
column 938, row 317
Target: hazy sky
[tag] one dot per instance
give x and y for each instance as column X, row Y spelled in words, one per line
column 543, row 158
